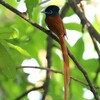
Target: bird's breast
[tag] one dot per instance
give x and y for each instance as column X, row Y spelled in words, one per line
column 55, row 24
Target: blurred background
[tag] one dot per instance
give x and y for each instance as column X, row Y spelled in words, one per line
column 23, row 45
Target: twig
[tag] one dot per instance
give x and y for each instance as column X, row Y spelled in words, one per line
column 93, row 33
column 96, row 48
column 98, row 52
column 90, row 29
column 79, row 81
column 86, row 76
column 23, row 16
column 48, row 69
column 56, row 71
column 25, row 93
column 84, row 20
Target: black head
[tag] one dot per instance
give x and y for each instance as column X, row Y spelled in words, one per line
column 51, row 10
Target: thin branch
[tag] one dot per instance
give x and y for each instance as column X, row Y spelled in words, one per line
column 25, row 93
column 84, row 20
column 98, row 52
column 79, row 81
column 86, row 76
column 92, row 32
column 56, row 71
column 23, row 16
column 96, row 48
column 48, row 69
column 90, row 29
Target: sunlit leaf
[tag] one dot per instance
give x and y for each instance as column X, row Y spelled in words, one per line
column 74, row 26
column 70, row 12
column 8, row 33
column 30, row 4
column 19, row 49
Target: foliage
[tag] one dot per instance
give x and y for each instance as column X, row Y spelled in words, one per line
column 19, row 40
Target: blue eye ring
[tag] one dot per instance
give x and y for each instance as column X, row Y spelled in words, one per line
column 50, row 12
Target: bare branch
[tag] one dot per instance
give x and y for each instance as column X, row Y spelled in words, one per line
column 48, row 69
column 56, row 71
column 25, row 93
column 84, row 20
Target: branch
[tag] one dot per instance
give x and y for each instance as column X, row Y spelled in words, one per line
column 48, row 69
column 56, row 71
column 79, row 81
column 93, row 33
column 90, row 29
column 23, row 16
column 98, row 52
column 84, row 20
column 83, row 71
column 85, row 75
column 25, row 93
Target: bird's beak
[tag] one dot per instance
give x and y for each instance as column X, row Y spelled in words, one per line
column 43, row 12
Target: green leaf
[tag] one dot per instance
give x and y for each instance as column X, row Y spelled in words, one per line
column 57, row 91
column 90, row 65
column 7, row 66
column 35, row 2
column 30, row 4
column 78, row 49
column 74, row 26
column 70, row 12
column 8, row 33
column 19, row 49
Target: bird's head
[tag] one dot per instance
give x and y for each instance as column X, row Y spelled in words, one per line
column 51, row 10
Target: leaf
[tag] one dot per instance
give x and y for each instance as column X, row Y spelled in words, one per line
column 19, row 49
column 57, row 91
column 35, row 2
column 90, row 65
column 74, row 26
column 30, row 4
column 7, row 66
column 70, row 12
column 8, row 33
column 78, row 49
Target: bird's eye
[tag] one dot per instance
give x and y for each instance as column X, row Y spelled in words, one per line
column 50, row 12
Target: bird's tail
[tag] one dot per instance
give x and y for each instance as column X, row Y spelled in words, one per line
column 66, row 65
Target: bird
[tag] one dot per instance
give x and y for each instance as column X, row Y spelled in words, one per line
column 55, row 24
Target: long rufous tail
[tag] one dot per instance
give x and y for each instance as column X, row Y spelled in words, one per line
column 66, row 64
